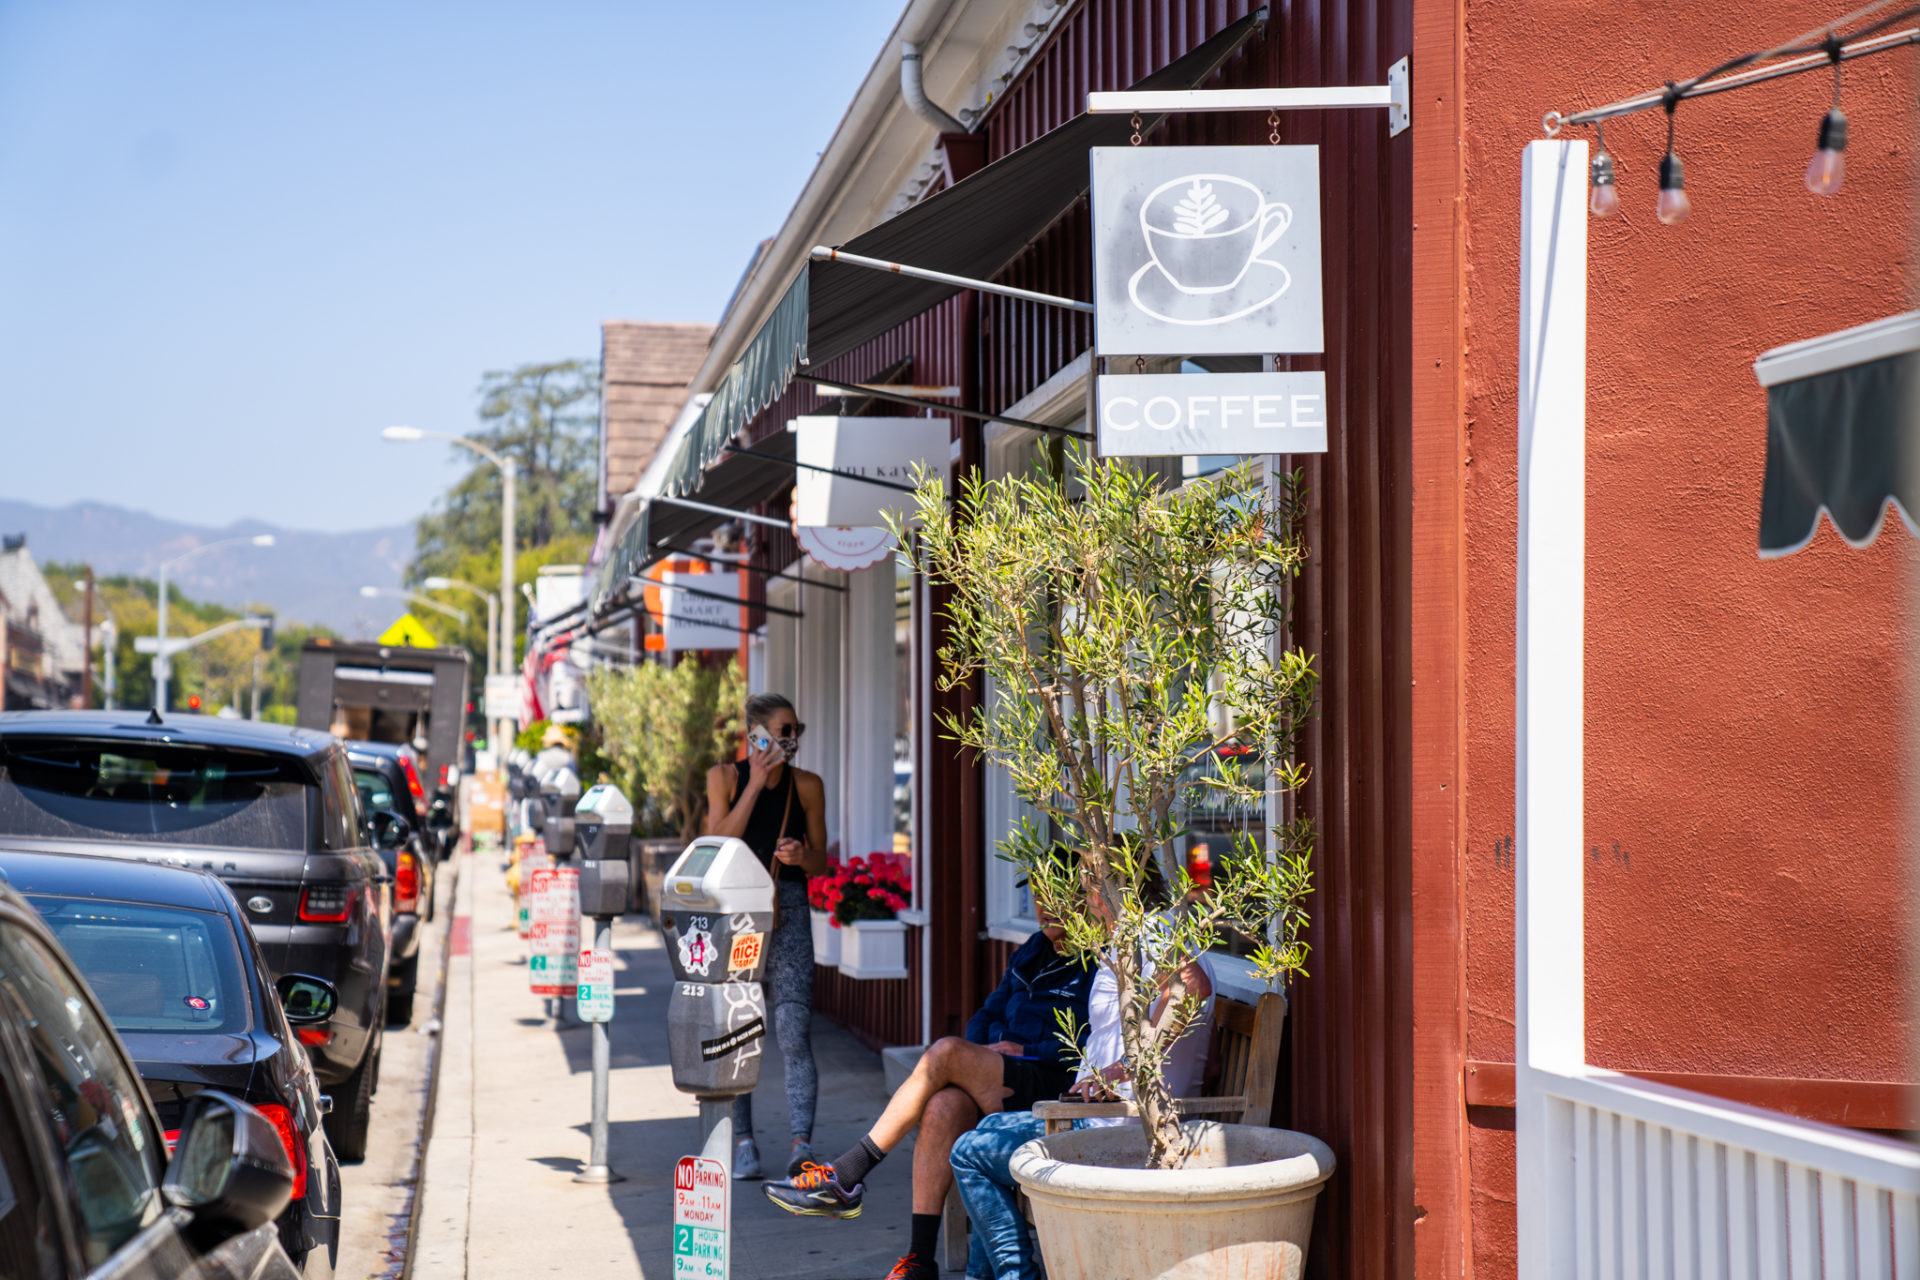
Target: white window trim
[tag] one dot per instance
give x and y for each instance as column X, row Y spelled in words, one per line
column 1059, row 401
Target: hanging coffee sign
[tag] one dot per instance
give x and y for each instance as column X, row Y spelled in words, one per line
column 1206, row 250
column 1173, row 414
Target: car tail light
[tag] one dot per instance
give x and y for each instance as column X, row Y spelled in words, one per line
column 313, row 1035
column 413, row 778
column 290, row 1138
column 406, row 884
column 173, row 1140
column 325, row 904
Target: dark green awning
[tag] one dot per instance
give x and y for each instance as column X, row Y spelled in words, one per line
column 1841, row 414
column 974, row 228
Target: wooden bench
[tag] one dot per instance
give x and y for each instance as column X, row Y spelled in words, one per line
column 1243, row 1066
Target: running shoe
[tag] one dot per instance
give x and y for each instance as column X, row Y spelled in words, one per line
column 746, row 1159
column 914, row 1267
column 816, row 1194
column 802, row 1157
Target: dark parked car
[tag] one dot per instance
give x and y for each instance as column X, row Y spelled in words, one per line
column 388, row 780
column 171, row 959
column 89, row 1188
column 271, row 810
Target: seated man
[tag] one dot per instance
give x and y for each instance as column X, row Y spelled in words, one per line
column 1002, row 1247
column 1009, row 1059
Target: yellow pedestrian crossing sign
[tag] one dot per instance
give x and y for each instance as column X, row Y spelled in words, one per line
column 408, row 631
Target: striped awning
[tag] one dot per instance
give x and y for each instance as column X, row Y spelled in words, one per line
column 1841, row 422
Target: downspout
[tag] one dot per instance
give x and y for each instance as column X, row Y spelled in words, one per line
column 913, row 92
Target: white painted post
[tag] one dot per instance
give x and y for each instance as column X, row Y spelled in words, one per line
column 1549, row 964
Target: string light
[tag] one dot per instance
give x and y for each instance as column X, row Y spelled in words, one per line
column 1605, row 200
column 1673, row 207
column 1828, row 168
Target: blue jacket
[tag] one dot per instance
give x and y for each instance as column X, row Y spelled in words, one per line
column 1039, row 981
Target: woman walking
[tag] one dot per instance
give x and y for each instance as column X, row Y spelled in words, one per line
column 780, row 811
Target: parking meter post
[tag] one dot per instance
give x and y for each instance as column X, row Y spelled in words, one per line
column 716, row 1129
column 597, row 1170
column 599, row 825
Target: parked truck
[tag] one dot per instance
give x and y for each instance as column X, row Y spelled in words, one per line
column 388, row 693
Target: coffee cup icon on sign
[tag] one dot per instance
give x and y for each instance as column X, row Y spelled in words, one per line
column 1207, row 235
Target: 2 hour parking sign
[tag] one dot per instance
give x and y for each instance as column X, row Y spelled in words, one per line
column 701, row 1219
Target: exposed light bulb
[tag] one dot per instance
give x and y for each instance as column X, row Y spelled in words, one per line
column 1673, row 205
column 1605, row 200
column 1828, row 168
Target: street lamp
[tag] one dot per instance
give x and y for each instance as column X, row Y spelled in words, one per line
column 425, row 602
column 163, row 661
column 506, row 467
column 437, row 583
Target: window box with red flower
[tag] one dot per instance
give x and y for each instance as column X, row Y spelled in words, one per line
column 863, row 898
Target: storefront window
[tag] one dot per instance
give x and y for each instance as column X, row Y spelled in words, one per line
column 903, row 676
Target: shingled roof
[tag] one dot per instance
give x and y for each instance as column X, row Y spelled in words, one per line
column 644, row 370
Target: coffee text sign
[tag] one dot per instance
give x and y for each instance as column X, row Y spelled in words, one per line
column 1158, row 415
column 1207, row 250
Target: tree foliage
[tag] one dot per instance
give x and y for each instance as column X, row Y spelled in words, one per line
column 546, row 418
column 1133, row 641
column 663, row 727
column 220, row 671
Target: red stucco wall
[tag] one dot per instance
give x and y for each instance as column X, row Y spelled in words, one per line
column 1745, row 912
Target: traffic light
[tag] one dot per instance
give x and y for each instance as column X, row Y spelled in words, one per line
column 193, row 702
column 266, row 636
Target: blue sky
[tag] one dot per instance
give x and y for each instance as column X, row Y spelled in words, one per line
column 237, row 239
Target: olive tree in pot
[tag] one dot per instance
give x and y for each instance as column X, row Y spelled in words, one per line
column 1133, row 641
column 661, row 728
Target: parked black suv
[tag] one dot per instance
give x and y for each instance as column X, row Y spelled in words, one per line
column 89, row 1188
column 271, row 810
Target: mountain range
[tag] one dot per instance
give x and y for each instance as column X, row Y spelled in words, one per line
column 304, row 577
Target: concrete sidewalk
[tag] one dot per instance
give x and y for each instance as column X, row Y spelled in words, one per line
column 510, row 1128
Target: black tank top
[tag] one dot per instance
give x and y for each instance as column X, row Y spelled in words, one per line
column 763, row 824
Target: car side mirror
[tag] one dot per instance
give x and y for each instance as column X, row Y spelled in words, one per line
column 230, row 1169
column 440, row 815
column 390, row 830
column 307, row 1000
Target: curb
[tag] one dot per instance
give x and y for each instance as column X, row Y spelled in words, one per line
column 403, row 1228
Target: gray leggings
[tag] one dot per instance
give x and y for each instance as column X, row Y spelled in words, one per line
column 789, row 987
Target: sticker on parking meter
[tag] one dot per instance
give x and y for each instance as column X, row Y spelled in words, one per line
column 746, row 952
column 533, row 859
column 700, row 1219
column 553, row 968
column 594, row 1000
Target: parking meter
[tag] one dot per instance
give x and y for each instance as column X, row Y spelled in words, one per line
column 717, row 907
column 602, row 835
column 558, row 796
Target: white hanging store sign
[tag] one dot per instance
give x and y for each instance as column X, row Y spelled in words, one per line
column 1175, row 414
column 839, row 520
column 689, row 621
column 887, row 449
column 1206, row 250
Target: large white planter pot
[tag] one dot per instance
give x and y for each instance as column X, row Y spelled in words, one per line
column 873, row 949
column 1241, row 1208
column 826, row 938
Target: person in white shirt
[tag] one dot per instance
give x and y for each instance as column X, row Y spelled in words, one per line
column 1001, row 1246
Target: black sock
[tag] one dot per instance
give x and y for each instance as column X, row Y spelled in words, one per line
column 851, row 1169
column 926, row 1230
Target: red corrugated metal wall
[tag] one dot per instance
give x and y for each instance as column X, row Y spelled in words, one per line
column 1350, row 1069
column 1348, row 1077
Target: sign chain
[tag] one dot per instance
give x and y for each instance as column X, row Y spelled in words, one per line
column 1273, row 127
column 1136, row 129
